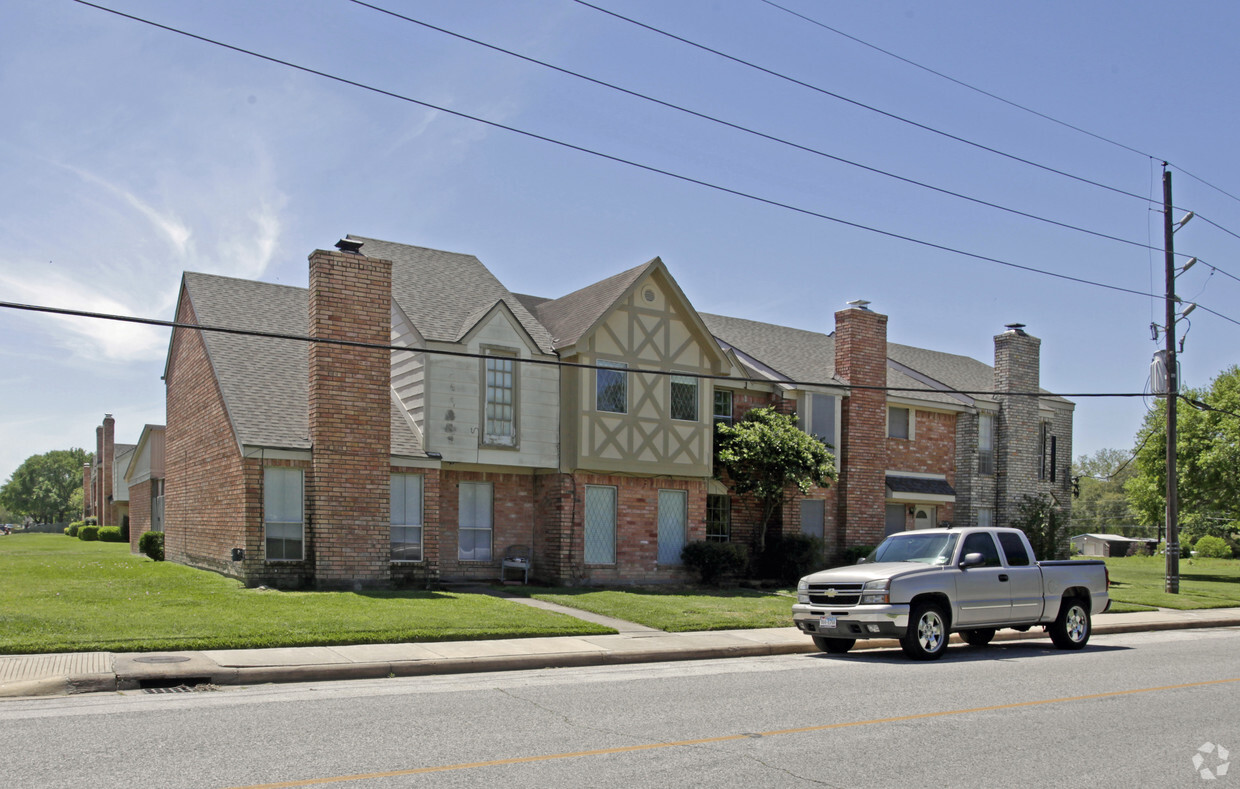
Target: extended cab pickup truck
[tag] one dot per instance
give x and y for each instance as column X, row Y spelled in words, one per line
column 921, row 586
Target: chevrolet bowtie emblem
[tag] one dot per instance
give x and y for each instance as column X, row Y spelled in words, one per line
column 831, row 592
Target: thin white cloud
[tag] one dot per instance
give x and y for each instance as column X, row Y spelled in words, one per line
column 172, row 228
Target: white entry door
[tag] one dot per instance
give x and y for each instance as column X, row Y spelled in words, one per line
column 924, row 517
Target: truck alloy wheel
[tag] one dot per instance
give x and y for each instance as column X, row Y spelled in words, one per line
column 926, row 637
column 1071, row 628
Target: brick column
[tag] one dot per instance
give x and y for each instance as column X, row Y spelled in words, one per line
column 105, row 470
column 861, row 360
column 87, row 498
column 1017, row 360
column 350, row 407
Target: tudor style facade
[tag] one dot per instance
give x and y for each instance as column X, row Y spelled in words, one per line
column 580, row 426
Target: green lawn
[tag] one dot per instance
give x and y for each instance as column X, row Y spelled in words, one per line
column 1204, row 583
column 678, row 609
column 59, row 594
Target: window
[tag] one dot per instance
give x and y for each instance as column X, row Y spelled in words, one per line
column 673, row 525
column 899, row 422
column 157, row 505
column 812, row 517
column 406, row 536
column 1013, row 549
column 611, row 392
column 986, row 517
column 819, row 422
column 723, row 406
column 282, row 513
column 986, row 444
column 983, row 543
column 600, row 524
column 684, row 396
column 1043, row 436
column 718, row 518
column 499, row 415
column 474, row 522
column 894, row 519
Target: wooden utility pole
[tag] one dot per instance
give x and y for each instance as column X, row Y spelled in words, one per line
column 1172, row 585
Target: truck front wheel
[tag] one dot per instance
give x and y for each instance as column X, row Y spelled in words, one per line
column 926, row 636
column 834, row 646
column 1072, row 627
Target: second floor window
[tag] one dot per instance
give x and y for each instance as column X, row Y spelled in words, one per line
column 723, row 407
column 986, row 444
column 500, row 416
column 611, row 392
column 899, row 422
column 684, row 391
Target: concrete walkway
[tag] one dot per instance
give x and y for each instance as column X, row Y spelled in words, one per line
column 42, row 675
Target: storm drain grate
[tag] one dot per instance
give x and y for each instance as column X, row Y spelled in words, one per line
column 177, row 685
column 177, row 689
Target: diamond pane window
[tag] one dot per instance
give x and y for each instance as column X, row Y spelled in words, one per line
column 600, row 525
column 684, row 398
column 612, row 387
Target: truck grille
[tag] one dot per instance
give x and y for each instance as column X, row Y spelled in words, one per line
column 834, row 594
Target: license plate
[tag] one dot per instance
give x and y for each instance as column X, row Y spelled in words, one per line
column 827, row 623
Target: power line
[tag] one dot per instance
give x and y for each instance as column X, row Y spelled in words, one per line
column 747, row 130
column 305, row 338
column 860, row 104
column 628, row 162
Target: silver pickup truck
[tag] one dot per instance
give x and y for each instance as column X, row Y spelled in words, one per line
column 922, row 586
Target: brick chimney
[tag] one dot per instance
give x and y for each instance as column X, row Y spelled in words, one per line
column 1017, row 363
column 350, row 429
column 88, row 500
column 105, row 471
column 861, row 360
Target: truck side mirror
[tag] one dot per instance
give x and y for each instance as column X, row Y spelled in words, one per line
column 971, row 560
column 861, row 560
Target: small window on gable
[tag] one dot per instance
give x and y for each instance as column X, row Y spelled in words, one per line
column 899, row 422
column 611, row 391
column 500, row 402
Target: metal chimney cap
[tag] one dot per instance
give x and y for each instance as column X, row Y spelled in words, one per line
column 350, row 246
column 1018, row 328
column 859, row 304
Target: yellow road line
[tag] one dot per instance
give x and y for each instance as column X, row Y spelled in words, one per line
column 724, row 738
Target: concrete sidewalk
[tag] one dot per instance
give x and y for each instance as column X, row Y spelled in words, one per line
column 41, row 675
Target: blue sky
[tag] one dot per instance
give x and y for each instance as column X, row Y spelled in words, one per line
column 130, row 154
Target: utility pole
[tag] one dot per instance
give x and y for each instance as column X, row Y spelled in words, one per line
column 1172, row 585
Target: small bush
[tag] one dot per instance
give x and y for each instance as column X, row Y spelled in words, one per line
column 72, row 529
column 88, row 533
column 855, row 552
column 151, row 543
column 1213, row 548
column 789, row 557
column 110, row 534
column 713, row 561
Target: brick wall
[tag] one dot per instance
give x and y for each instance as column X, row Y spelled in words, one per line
column 139, row 513
column 107, row 516
column 1017, row 428
column 861, row 359
column 350, row 428
column 204, row 496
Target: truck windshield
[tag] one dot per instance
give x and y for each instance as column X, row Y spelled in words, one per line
column 913, row 547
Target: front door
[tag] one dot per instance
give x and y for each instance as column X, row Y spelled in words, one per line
column 924, row 518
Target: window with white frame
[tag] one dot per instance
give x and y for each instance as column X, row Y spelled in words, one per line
column 986, row 444
column 406, row 537
column 611, row 391
column 499, row 416
column 684, row 397
column 283, row 522
column 723, row 406
column 474, row 522
column 600, row 524
column 718, row 517
column 818, row 418
column 899, row 422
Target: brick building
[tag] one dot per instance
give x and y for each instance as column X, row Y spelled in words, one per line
column 123, row 484
column 332, row 464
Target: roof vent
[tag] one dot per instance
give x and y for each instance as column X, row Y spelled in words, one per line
column 1018, row 328
column 350, row 246
column 859, row 304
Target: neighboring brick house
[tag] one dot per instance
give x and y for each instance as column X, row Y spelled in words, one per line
column 105, row 496
column 143, row 476
column 543, row 422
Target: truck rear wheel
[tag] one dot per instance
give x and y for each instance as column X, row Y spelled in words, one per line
column 978, row 638
column 926, row 636
column 834, row 646
column 1072, row 627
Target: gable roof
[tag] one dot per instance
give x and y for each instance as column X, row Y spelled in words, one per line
column 570, row 317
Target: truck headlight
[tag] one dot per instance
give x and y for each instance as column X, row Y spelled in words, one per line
column 876, row 592
column 803, row 591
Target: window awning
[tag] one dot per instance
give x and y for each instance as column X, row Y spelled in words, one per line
column 919, row 489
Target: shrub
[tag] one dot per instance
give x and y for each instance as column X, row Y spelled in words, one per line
column 1213, row 548
column 855, row 552
column 72, row 530
column 791, row 556
column 151, row 543
column 713, row 561
column 110, row 534
column 88, row 533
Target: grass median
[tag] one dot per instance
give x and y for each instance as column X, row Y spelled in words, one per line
column 59, row 594
column 1204, row 583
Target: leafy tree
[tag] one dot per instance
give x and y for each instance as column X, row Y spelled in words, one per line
column 1045, row 526
column 1103, row 504
column 765, row 454
column 42, row 487
column 1207, row 460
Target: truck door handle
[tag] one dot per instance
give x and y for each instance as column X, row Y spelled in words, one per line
column 1003, row 576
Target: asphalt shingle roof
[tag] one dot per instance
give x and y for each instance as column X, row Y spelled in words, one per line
column 568, row 318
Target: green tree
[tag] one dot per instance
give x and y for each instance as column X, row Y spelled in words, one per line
column 1045, row 526
column 765, row 454
column 1103, row 505
column 1207, row 460
column 42, row 487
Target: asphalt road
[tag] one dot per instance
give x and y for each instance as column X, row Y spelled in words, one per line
column 1131, row 710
